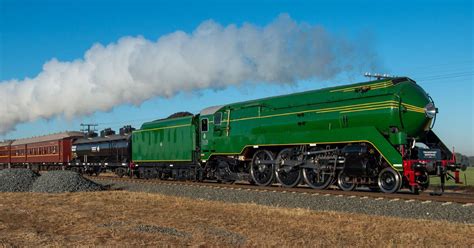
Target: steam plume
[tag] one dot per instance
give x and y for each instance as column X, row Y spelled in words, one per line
column 135, row 69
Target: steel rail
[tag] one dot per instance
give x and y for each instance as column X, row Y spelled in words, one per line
column 447, row 197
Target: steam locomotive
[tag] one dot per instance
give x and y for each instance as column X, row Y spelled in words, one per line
column 376, row 134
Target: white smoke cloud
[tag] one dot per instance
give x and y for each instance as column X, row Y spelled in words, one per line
column 135, row 69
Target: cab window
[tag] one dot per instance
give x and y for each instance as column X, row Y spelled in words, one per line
column 204, row 125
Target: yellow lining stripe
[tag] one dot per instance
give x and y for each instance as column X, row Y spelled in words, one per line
column 367, row 109
column 412, row 106
column 354, row 105
column 416, row 111
column 419, row 109
column 381, row 87
column 45, row 155
column 367, row 85
column 360, row 107
column 371, row 88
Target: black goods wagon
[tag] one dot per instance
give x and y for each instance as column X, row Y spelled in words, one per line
column 107, row 151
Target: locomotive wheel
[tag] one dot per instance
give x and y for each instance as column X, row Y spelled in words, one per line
column 120, row 172
column 224, row 173
column 288, row 177
column 262, row 173
column 389, row 180
column 343, row 183
column 316, row 179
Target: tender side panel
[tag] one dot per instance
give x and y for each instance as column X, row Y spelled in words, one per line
column 167, row 140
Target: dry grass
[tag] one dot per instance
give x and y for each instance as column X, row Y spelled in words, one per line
column 129, row 219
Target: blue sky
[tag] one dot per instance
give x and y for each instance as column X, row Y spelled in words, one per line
column 429, row 41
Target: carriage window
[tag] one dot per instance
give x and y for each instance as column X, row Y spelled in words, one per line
column 217, row 118
column 204, row 125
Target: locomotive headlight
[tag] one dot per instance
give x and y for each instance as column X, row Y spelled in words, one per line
column 431, row 110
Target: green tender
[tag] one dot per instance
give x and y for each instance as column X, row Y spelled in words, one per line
column 167, row 140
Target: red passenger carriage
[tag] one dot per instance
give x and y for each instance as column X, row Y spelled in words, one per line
column 50, row 149
column 5, row 152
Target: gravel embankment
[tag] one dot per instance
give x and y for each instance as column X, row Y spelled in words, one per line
column 17, row 180
column 26, row 180
column 385, row 207
column 64, row 181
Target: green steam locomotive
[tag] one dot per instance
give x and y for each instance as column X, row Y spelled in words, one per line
column 377, row 134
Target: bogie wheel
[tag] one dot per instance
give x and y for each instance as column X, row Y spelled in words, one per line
column 262, row 168
column 120, row 172
column 344, row 183
column 423, row 181
column 286, row 175
column 389, row 180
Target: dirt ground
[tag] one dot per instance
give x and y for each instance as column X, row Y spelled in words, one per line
column 128, row 219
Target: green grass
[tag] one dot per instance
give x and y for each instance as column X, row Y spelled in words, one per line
column 466, row 177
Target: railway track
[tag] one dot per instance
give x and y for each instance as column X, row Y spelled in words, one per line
column 446, row 198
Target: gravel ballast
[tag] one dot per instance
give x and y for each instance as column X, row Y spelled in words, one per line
column 64, row 181
column 384, row 207
column 17, row 180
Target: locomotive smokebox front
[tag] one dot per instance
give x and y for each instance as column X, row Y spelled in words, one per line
column 417, row 111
